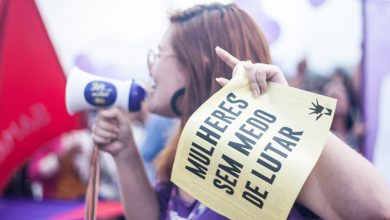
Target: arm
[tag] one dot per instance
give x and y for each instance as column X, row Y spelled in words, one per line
column 342, row 185
column 137, row 195
column 111, row 131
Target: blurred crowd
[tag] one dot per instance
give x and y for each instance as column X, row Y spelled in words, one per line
column 343, row 85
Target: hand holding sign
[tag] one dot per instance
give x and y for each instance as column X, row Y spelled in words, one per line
column 258, row 73
column 248, row 158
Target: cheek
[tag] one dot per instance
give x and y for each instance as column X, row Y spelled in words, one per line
column 160, row 100
column 168, row 79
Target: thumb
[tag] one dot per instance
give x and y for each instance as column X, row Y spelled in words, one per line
column 222, row 81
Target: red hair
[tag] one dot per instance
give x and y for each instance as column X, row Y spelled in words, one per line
column 196, row 33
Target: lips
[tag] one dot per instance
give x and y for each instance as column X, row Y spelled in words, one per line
column 151, row 86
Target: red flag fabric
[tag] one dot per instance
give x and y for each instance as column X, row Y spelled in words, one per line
column 32, row 87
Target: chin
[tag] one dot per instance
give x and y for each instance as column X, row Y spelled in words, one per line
column 152, row 108
column 162, row 110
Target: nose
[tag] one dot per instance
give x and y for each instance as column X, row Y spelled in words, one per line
column 150, row 59
column 150, row 70
column 151, row 75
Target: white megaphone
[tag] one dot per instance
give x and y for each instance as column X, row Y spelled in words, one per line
column 85, row 91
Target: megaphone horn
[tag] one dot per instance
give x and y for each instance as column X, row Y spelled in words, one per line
column 86, row 91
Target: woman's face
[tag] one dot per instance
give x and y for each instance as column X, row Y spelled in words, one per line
column 167, row 76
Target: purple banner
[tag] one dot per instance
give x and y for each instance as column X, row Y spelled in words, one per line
column 376, row 66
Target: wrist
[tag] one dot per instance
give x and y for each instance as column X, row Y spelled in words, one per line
column 126, row 154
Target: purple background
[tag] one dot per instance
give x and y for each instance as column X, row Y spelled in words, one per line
column 376, row 64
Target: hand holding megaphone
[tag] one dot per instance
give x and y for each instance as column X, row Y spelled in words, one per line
column 85, row 91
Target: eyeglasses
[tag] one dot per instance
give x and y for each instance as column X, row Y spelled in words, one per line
column 154, row 55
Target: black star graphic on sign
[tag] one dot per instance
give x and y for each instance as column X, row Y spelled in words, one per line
column 319, row 110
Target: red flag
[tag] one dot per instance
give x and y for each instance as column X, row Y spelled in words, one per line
column 32, row 86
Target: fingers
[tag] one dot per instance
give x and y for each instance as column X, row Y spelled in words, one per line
column 226, row 57
column 253, row 84
column 114, row 114
column 222, row 81
column 261, row 80
column 276, row 75
column 107, row 126
column 258, row 73
column 103, row 132
column 257, row 78
column 98, row 140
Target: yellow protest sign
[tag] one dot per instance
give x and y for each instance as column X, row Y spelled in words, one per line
column 246, row 157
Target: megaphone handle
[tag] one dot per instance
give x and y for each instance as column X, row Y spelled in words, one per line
column 91, row 197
